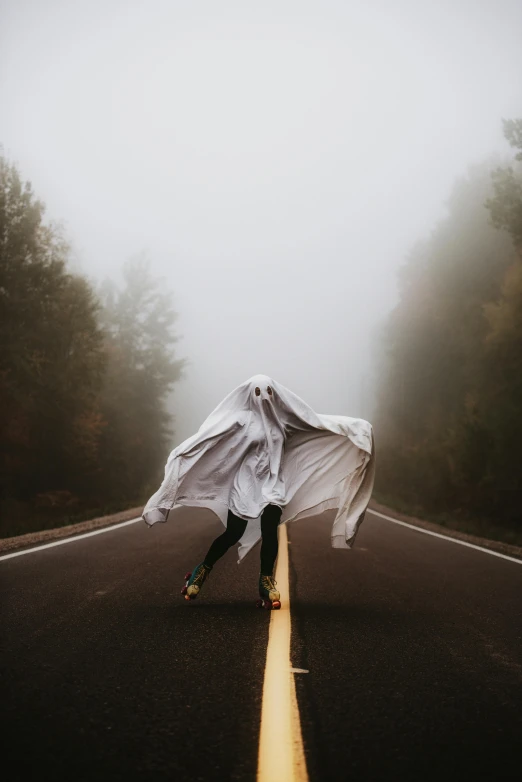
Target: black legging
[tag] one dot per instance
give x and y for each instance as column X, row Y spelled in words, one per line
column 235, row 530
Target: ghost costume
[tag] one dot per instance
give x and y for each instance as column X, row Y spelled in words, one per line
column 263, row 445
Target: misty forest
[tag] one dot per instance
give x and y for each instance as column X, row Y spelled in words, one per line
column 449, row 412
column 85, row 372
column 86, row 368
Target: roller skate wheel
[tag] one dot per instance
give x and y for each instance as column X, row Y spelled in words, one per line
column 184, row 590
column 267, row 604
column 187, row 597
column 276, row 605
column 187, row 576
column 259, row 604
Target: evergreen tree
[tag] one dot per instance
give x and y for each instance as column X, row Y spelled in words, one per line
column 503, row 342
column 139, row 329
column 51, row 356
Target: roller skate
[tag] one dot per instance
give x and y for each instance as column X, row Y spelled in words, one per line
column 269, row 597
column 194, row 581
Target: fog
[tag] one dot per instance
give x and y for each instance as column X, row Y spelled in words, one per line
column 275, row 161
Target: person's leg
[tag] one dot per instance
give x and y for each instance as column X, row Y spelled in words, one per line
column 234, row 531
column 270, row 597
column 269, row 543
column 196, row 579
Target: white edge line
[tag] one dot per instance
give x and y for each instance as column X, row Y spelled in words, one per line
column 374, row 512
column 70, row 540
column 446, row 537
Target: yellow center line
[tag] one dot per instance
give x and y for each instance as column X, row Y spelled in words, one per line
column 281, row 754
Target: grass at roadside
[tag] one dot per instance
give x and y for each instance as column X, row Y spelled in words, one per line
column 482, row 528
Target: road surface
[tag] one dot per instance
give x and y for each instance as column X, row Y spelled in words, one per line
column 412, row 646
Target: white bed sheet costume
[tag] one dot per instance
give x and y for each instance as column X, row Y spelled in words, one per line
column 270, row 447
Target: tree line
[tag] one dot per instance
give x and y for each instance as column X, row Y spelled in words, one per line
column 449, row 407
column 84, row 374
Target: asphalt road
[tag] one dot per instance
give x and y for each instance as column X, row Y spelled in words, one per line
column 413, row 646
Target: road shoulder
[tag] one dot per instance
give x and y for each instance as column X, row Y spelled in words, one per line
column 493, row 545
column 47, row 535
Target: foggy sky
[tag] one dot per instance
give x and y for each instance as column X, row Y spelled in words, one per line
column 276, row 160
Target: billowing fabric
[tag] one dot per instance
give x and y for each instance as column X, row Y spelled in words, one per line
column 270, row 447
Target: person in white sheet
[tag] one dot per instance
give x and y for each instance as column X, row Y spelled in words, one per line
column 262, row 457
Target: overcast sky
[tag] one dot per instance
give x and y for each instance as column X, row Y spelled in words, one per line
column 275, row 159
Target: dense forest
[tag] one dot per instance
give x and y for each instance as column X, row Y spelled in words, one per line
column 84, row 375
column 449, row 410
